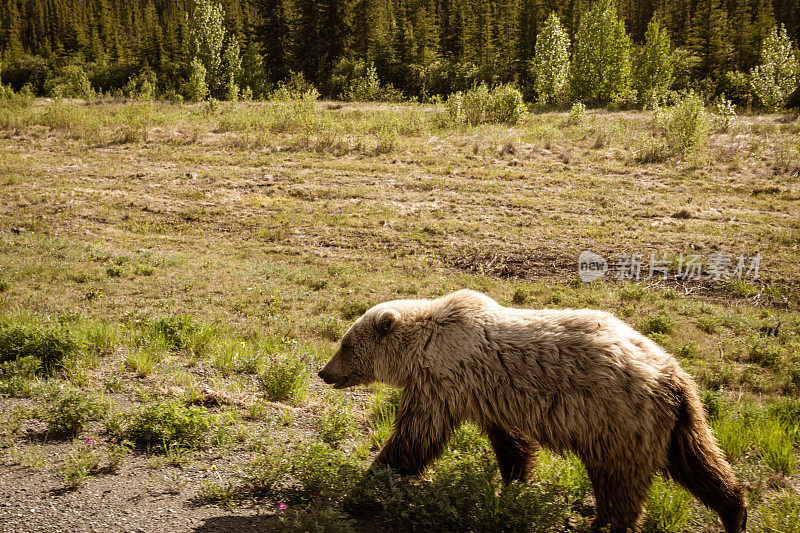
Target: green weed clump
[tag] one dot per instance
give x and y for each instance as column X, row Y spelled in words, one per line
column 68, row 413
column 661, row 324
column 35, row 342
column 169, row 424
column 285, row 377
column 668, row 508
column 321, row 472
column 337, row 422
column 83, row 460
column 181, row 333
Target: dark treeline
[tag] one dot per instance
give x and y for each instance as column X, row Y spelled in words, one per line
column 421, row 47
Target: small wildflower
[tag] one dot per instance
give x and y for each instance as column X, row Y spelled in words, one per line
column 90, row 442
column 281, row 505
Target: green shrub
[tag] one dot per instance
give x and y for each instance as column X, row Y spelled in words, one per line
column 70, row 82
column 285, row 377
column 577, row 114
column 464, row 493
column 356, row 80
column 264, row 468
column 480, row 105
column 685, row 127
column 169, row 424
column 180, row 333
column 317, row 517
column 724, row 113
column 690, row 350
column 295, row 88
column 68, row 413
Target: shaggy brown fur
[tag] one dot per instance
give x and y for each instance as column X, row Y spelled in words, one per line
column 573, row 380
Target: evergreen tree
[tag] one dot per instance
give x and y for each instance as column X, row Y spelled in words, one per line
column 708, row 38
column 274, row 34
column 551, row 63
column 601, row 64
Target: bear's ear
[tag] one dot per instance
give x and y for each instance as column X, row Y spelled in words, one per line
column 385, row 320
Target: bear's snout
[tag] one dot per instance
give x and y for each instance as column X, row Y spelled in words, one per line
column 332, row 375
column 325, row 376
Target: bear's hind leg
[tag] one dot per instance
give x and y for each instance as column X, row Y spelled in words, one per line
column 619, row 498
column 514, row 453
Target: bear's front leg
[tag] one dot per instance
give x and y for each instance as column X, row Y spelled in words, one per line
column 421, row 431
column 514, row 452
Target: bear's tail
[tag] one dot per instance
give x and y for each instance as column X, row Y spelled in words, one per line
column 697, row 463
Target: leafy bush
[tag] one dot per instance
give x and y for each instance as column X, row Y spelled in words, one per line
column 551, row 63
column 169, row 424
column 685, row 127
column 181, row 333
column 263, row 468
column 481, row 105
column 316, row 518
column 295, row 88
column 70, row 82
column 285, row 378
column 601, row 63
column 321, row 472
column 196, row 88
column 577, row 114
column 777, row 76
column 356, row 80
column 69, row 413
column 724, row 113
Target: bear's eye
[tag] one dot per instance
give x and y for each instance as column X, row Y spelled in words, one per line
column 346, row 345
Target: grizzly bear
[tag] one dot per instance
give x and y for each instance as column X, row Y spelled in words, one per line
column 569, row 380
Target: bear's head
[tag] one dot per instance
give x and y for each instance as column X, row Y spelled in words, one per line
column 379, row 346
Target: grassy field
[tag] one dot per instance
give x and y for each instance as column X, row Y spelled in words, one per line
column 173, row 276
